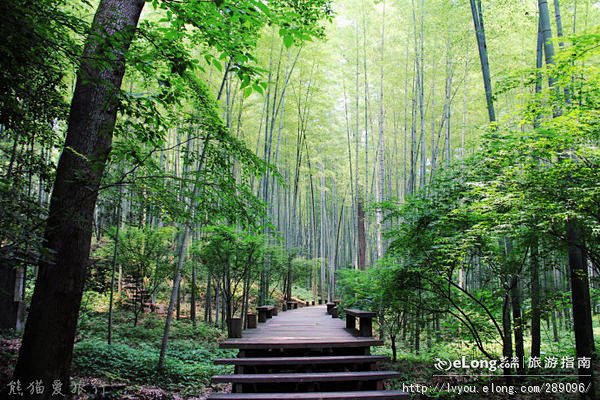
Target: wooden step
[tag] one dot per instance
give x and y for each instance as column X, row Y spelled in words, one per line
column 307, row 377
column 301, row 360
column 298, row 343
column 370, row 394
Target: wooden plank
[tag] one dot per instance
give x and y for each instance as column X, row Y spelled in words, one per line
column 307, row 377
column 308, row 327
column 371, row 394
column 298, row 343
column 301, row 360
column 306, row 336
column 360, row 313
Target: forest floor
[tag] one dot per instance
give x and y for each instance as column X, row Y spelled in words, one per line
column 127, row 368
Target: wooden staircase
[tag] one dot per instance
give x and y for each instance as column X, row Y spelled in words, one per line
column 305, row 368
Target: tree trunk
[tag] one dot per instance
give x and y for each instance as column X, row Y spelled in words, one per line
column 483, row 56
column 207, row 304
column 580, row 294
column 217, row 301
column 245, row 304
column 174, row 295
column 546, row 30
column 447, row 114
column 507, row 336
column 322, row 235
column 464, row 111
column 112, row 275
column 380, row 152
column 535, row 301
column 515, row 295
column 288, row 293
column 417, row 332
column 47, row 345
column 334, row 259
column 193, row 296
column 357, row 188
column 178, row 304
column 12, row 305
column 361, row 235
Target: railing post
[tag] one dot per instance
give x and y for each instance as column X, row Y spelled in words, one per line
column 236, row 328
column 350, row 321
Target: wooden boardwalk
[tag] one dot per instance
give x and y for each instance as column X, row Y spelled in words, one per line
column 305, row 354
column 307, row 327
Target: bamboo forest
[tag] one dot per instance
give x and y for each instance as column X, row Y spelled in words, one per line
column 299, row 199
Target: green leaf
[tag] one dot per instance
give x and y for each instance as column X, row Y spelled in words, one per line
column 217, row 64
column 288, row 41
column 257, row 87
column 262, row 7
column 247, row 91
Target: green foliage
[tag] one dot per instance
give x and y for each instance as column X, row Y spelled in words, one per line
column 481, row 216
column 31, row 106
column 227, row 250
column 93, row 326
column 360, row 289
column 231, row 257
column 133, row 356
column 186, row 367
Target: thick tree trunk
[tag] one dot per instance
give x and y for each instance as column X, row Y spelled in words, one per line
column 50, row 330
column 582, row 316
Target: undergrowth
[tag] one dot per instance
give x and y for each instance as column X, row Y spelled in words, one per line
column 133, row 355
